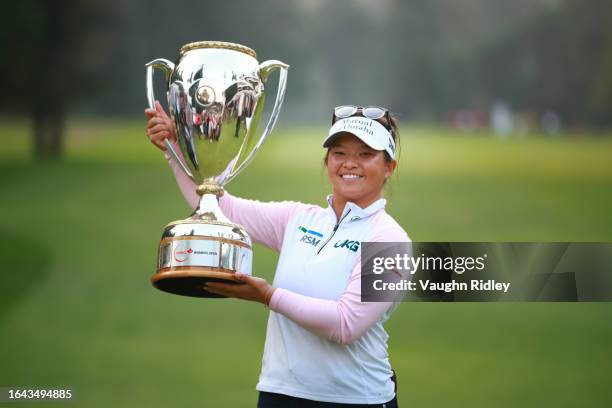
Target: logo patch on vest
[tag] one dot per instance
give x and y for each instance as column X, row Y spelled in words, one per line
column 309, row 231
column 309, row 239
column 348, row 244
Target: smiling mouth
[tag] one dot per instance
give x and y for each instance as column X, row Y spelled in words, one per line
column 350, row 176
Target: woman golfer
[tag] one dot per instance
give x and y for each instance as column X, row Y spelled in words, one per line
column 324, row 347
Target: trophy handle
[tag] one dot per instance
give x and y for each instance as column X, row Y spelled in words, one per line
column 167, row 67
column 265, row 69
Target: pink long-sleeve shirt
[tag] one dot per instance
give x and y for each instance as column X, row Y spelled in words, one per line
column 322, row 342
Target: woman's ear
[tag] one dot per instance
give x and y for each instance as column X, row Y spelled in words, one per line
column 390, row 168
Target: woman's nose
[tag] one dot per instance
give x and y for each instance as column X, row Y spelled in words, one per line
column 349, row 163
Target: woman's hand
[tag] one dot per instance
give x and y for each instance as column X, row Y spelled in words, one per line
column 252, row 288
column 159, row 126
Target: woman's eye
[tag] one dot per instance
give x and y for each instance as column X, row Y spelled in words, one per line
column 338, row 153
column 366, row 154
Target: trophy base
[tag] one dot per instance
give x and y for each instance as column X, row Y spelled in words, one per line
column 189, row 281
column 203, row 248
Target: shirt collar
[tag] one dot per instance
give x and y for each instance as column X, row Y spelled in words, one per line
column 356, row 212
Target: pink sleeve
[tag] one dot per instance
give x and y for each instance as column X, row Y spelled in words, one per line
column 265, row 222
column 342, row 321
column 187, row 186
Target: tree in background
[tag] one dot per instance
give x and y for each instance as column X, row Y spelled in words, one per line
column 53, row 52
column 559, row 60
column 422, row 58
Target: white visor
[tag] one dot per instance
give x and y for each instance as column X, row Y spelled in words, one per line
column 369, row 131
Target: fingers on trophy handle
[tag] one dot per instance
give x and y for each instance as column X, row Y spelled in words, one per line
column 167, row 67
column 265, row 69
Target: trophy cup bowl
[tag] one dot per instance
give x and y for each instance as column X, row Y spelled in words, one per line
column 216, row 94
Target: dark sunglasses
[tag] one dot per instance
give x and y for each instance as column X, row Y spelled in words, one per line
column 370, row 112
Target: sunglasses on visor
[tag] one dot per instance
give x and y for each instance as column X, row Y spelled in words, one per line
column 370, row 112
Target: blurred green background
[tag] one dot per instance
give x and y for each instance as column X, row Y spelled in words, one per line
column 505, row 112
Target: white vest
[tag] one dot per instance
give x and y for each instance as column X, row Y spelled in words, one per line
column 299, row 363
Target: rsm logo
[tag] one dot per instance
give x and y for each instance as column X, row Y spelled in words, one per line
column 348, row 244
column 309, row 239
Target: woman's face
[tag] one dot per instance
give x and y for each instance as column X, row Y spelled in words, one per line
column 356, row 171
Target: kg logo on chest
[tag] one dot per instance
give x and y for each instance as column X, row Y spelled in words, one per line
column 348, row 244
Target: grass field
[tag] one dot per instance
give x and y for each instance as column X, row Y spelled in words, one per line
column 79, row 242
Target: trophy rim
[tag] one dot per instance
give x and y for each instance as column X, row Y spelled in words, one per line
column 218, row 45
column 201, row 221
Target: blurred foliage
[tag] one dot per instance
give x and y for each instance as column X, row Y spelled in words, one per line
column 560, row 60
column 52, row 53
column 423, row 59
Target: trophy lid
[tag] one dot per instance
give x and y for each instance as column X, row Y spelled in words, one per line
column 218, row 44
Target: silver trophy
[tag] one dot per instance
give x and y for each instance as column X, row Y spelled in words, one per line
column 216, row 94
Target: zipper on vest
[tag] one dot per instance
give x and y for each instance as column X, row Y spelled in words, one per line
column 333, row 232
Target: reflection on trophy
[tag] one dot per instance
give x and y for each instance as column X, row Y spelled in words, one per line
column 216, row 94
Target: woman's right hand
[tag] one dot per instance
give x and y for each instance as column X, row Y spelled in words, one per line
column 159, row 126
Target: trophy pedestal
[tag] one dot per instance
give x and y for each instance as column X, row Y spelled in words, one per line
column 204, row 248
column 189, row 281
